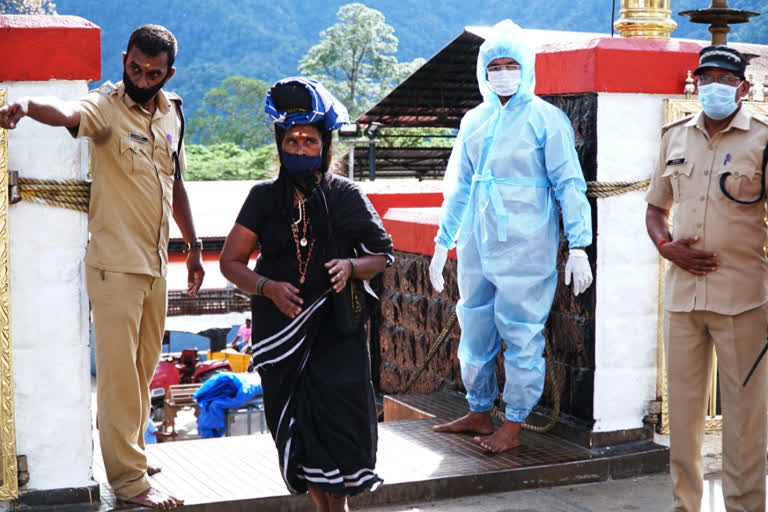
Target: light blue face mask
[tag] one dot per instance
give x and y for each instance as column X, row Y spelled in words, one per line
column 718, row 100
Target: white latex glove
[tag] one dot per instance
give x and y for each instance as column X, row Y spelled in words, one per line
column 436, row 267
column 578, row 267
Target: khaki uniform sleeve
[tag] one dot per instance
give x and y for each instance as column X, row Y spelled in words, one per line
column 660, row 190
column 95, row 121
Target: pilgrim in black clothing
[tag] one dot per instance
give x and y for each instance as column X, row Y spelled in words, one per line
column 315, row 231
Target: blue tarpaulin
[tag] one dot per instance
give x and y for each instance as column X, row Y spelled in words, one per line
column 221, row 392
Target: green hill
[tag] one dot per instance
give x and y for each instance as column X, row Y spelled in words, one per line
column 265, row 40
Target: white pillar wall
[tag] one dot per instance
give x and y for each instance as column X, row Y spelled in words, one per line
column 49, row 306
column 626, row 310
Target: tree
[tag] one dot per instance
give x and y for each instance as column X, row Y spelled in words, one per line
column 233, row 112
column 27, row 7
column 229, row 161
column 355, row 58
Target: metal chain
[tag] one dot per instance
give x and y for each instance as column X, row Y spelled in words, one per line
column 432, row 351
column 499, row 415
column 496, row 412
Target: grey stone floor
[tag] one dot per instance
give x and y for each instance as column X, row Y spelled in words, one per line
column 645, row 494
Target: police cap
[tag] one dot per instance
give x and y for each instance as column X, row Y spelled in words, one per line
column 722, row 57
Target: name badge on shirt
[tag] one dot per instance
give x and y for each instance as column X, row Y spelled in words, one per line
column 139, row 138
column 676, row 161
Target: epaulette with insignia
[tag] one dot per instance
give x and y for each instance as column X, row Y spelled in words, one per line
column 676, row 122
column 760, row 118
column 172, row 96
column 107, row 88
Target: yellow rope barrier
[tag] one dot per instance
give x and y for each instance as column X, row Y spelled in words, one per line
column 75, row 194
column 614, row 188
column 70, row 194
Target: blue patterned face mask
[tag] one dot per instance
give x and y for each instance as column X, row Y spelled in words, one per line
column 718, row 100
column 298, row 166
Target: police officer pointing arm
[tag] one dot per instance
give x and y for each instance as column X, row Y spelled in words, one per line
column 136, row 132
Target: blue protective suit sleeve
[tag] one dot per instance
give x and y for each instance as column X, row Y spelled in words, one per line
column 457, row 184
column 564, row 172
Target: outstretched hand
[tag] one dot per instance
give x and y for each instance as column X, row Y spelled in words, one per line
column 695, row 261
column 12, row 113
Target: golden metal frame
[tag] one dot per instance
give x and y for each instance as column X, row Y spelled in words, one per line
column 645, row 19
column 9, row 487
column 675, row 109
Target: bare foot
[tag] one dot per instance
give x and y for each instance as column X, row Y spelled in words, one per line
column 506, row 438
column 474, row 422
column 153, row 470
column 155, row 498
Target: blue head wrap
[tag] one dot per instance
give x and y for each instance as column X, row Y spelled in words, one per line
column 325, row 107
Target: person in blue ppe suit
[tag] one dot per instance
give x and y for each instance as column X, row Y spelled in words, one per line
column 513, row 156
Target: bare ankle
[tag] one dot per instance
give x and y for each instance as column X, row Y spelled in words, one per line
column 337, row 503
column 320, row 499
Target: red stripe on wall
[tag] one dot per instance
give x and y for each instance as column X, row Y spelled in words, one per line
column 39, row 48
column 615, row 65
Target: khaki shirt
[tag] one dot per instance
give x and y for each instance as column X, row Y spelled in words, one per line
column 687, row 179
column 133, row 174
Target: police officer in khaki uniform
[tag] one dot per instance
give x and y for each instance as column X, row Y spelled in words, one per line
column 135, row 129
column 711, row 172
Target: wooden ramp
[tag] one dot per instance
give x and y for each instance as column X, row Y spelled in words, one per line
column 241, row 473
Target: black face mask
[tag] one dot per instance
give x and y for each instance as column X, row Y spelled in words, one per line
column 139, row 94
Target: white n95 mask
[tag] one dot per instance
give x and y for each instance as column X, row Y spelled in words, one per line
column 504, row 82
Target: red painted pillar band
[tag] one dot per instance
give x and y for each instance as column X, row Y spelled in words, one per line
column 40, row 48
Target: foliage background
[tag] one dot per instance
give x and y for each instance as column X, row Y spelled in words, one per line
column 266, row 40
column 228, row 161
column 231, row 52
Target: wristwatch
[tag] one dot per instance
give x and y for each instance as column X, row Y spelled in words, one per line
column 196, row 243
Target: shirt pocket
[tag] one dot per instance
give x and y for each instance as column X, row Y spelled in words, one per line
column 679, row 176
column 742, row 183
column 164, row 158
column 134, row 157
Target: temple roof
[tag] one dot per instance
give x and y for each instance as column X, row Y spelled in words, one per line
column 444, row 88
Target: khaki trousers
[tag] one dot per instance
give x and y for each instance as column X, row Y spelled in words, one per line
column 737, row 339
column 128, row 320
